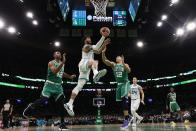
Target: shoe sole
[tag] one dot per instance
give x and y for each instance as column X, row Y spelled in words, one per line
column 71, row 113
column 27, row 117
column 99, row 75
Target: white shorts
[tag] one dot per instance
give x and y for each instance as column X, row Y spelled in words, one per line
column 135, row 104
column 84, row 70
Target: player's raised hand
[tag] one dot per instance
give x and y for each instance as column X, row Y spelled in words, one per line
column 107, row 41
column 123, row 59
column 64, row 59
column 72, row 76
column 143, row 102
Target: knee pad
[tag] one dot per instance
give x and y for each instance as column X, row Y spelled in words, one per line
column 79, row 86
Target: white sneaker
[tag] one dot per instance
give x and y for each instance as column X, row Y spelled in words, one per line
column 99, row 75
column 134, row 125
column 139, row 120
column 69, row 109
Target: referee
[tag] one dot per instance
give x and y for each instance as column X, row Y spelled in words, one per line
column 6, row 111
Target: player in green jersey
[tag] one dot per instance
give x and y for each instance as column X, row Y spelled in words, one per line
column 120, row 70
column 173, row 105
column 52, row 88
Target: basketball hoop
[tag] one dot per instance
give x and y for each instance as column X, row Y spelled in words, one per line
column 100, row 7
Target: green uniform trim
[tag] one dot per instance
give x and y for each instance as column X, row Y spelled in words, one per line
column 52, row 90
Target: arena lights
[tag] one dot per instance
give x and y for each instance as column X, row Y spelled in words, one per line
column 57, row 43
column 191, row 26
column 35, row 22
column 174, row 2
column 29, row 14
column 12, row 85
column 2, row 24
column 140, row 44
column 164, row 17
column 21, row 1
column 159, row 24
column 112, row 83
column 11, row 30
column 180, row 32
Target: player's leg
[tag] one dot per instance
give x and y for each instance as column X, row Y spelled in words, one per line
column 76, row 90
column 29, row 112
column 96, row 74
column 60, row 102
column 177, row 108
column 124, row 91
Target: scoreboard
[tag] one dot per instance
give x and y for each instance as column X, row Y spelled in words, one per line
column 119, row 18
column 79, row 18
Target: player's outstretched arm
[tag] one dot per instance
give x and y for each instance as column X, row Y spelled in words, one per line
column 105, row 43
column 69, row 76
column 128, row 69
column 105, row 60
column 55, row 69
column 142, row 92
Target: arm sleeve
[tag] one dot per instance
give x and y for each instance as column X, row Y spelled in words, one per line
column 99, row 44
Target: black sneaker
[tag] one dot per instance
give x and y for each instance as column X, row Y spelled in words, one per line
column 27, row 113
column 63, row 127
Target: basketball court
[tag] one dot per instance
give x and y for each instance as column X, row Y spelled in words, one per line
column 116, row 127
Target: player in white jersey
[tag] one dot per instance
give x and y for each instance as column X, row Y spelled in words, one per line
column 86, row 64
column 134, row 93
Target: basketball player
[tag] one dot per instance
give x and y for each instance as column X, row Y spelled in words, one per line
column 52, row 88
column 135, row 91
column 86, row 64
column 121, row 70
column 6, row 111
column 174, row 107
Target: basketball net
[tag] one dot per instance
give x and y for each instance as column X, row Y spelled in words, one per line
column 100, row 7
column 98, row 105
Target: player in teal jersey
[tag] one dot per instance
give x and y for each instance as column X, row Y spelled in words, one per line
column 52, row 88
column 120, row 70
column 174, row 107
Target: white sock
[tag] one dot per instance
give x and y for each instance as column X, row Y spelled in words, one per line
column 71, row 101
column 95, row 72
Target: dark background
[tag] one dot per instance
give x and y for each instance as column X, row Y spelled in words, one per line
column 28, row 54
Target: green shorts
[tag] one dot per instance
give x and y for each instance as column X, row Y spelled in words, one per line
column 174, row 107
column 52, row 90
column 122, row 90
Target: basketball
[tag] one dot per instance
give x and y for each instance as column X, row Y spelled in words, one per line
column 105, row 30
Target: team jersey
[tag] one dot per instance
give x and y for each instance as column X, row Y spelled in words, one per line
column 120, row 73
column 7, row 107
column 135, row 93
column 56, row 78
column 172, row 97
column 88, row 55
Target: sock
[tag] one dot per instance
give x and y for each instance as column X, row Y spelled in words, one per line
column 71, row 101
column 95, row 72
